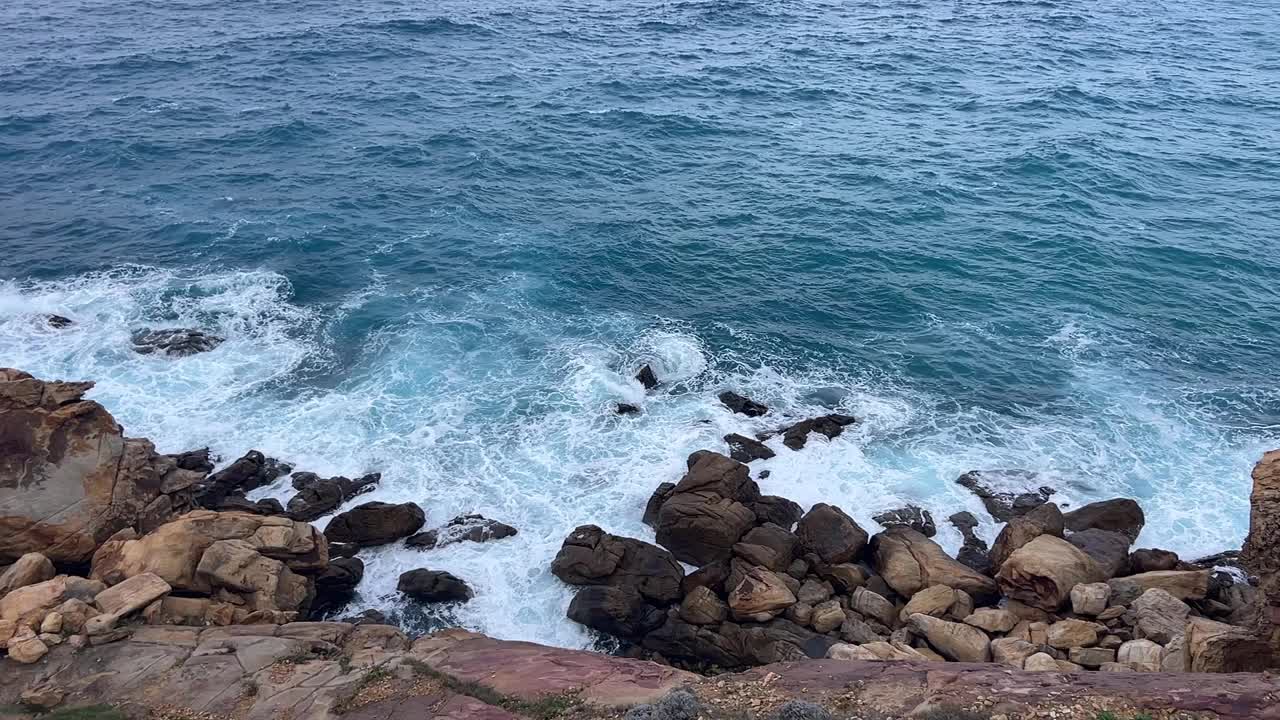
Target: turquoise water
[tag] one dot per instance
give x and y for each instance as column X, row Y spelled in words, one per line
column 440, row 238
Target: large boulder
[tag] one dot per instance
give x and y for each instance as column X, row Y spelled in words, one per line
column 1159, row 616
column 712, row 472
column 434, row 586
column 768, row 546
column 760, row 595
column 1120, row 515
column 702, row 527
column 910, row 562
column 1004, row 505
column 261, row 582
column 1262, row 545
column 1042, row 572
column 30, row 569
column 955, row 641
column 1044, row 519
column 617, row 610
column 591, row 556
column 831, row 534
column 1221, row 648
column 69, row 479
column 1109, row 549
column 375, row 523
column 1182, row 584
column 320, row 496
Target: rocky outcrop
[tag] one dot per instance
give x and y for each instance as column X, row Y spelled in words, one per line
column 319, row 496
column 434, row 586
column 591, row 556
column 69, row 478
column 464, row 528
column 1262, row 545
column 173, row 342
column 830, row 426
column 745, row 449
column 647, row 377
column 375, row 523
column 1004, row 505
column 742, row 405
column 911, row 516
column 828, row 532
column 705, row 513
column 974, row 552
column 1120, row 515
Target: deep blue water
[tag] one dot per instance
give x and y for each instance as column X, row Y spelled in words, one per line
column 440, row 237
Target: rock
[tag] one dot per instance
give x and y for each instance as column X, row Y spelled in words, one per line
column 830, row 426
column 704, row 515
column 249, row 472
column 992, row 620
column 715, row 473
column 1044, row 519
column 174, row 342
column 25, row 647
column 1042, row 572
column 742, row 405
column 74, row 613
column 322, row 496
column 1012, row 651
column 873, row 605
column 1092, row 657
column 973, row 553
column 28, row 605
column 955, row 641
column 827, row 616
column 1182, row 584
column 777, row 510
column 626, row 409
column 1216, row 647
column 43, row 698
column 831, row 534
column 935, row 601
column 1120, row 515
column 1262, row 545
column 654, row 504
column 29, row 569
column 1090, row 598
column 1004, row 506
column 1143, row 655
column 1152, row 560
column 52, row 623
column 877, row 651
column 1041, row 662
column 375, row 523
column 1109, row 550
column 336, row 585
column 703, row 607
column 761, row 595
column 69, row 479
column 590, row 556
column 260, row 582
column 433, row 586
column 768, row 546
column 647, row 378
column 911, row 516
column 132, row 594
column 464, row 528
column 619, row 611
column 909, row 562
column 846, row 577
column 58, row 322
column 1159, row 616
column 745, row 449
column 858, row 632
column 1072, row 633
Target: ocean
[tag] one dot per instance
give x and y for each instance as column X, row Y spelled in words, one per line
column 441, row 237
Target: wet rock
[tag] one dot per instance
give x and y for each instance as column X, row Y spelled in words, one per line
column 619, row 611
column 320, row 496
column 375, row 523
column 1005, row 505
column 1042, row 572
column 1044, row 519
column 340, row 578
column 831, row 534
column 627, row 409
column 831, row 426
column 654, row 504
column 464, row 528
column 909, row 562
column 174, row 342
column 973, row 553
column 434, row 586
column 742, row 405
column 1120, row 515
column 247, row 473
column 745, row 449
column 590, row 556
column 777, row 510
column 199, row 460
column 910, row 516
column 58, row 322
column 647, row 378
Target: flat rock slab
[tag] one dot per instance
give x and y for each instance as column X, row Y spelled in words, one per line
column 900, row 687
column 528, row 672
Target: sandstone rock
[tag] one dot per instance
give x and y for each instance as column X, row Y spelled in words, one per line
column 992, row 620
column 768, row 546
column 827, row 616
column 1159, row 616
column 703, row 607
column 1090, row 598
column 831, row 534
column 1120, row 515
column 74, row 613
column 43, row 698
column 873, row 605
column 1044, row 519
column 846, row 577
column 742, row 405
column 29, row 569
column 858, row 632
column 801, row 613
column 911, row 516
column 375, row 523
column 955, row 641
column 848, row 651
column 1109, row 550
column 264, row 583
column 25, row 647
column 617, row 610
column 1217, row 647
column 1041, row 662
column 910, row 562
column 761, row 595
column 1042, row 572
column 1012, row 651
column 1003, row 505
column 1143, row 655
column 1072, row 633
column 1151, row 560
column 1175, row 655
column 28, row 605
column 1092, row 657
column 1182, row 584
column 52, row 623
column 878, row 651
column 745, row 449
column 1262, row 545
column 433, row 586
column 830, row 426
column 935, row 600
column 132, row 594
column 814, row 591
column 590, row 556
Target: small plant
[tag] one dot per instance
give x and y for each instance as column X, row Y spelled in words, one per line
column 251, row 688
column 949, row 713
column 800, row 710
column 375, row 675
column 676, row 705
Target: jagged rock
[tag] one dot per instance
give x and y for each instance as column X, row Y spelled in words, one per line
column 1142, row 655
column 858, row 632
column 909, row 562
column 814, row 591
column 340, row 578
column 1120, row 515
column 1042, row 572
column 1044, row 519
column 1072, row 633
column 647, row 377
column 1012, row 651
column 1153, row 560
column 742, row 405
column 846, row 577
column 1004, row 506
column 1262, row 546
column 703, row 607
column 69, row 479
column 761, row 595
column 464, row 528
column 831, row 534
column 320, row 496
column 712, row 576
column 132, row 594
column 1109, row 549
column 1090, row 598
column 626, row 409
column 617, row 610
column 992, row 620
column 911, row 516
column 30, row 569
column 375, row 523
column 973, row 553
column 590, row 556
column 830, row 426
column 1220, row 648
column 745, row 449
column 654, row 504
column 1182, row 584
column 58, row 322
column 29, row 604
column 433, row 586
column 777, row 510
column 1159, row 616
column 247, row 473
column 768, row 546
column 174, row 342
column 261, row 582
column 955, row 641
column 801, row 613
column 702, row 527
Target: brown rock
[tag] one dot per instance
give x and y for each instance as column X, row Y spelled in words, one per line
column 28, row 605
column 264, row 583
column 1044, row 519
column 25, row 647
column 590, row 556
column 132, row 595
column 1012, row 651
column 831, row 534
column 1109, row 550
column 745, row 449
column 827, row 616
column 761, row 595
column 768, row 546
column 1072, row 633
column 935, row 600
column 1090, row 598
column 617, row 610
column 910, row 562
column 1262, row 545
column 992, row 620
column 1182, row 584
column 703, row 607
column 375, row 523
column 1041, row 662
column 701, row 527
column 29, row 569
column 1143, row 655
column 1220, row 648
column 1120, row 515
column 874, row 606
column 1150, row 560
column 1042, row 572
column 1092, row 657
column 955, row 641
column 912, row 516
column 1159, row 616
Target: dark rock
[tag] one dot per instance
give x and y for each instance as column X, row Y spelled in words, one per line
column 911, row 516
column 831, row 534
column 627, row 409
column 1120, row 515
column 196, row 460
column 367, row 617
column 247, row 473
column 974, row 552
column 742, row 405
column 745, row 449
column 768, row 546
column 58, row 321
column 433, row 586
column 734, row 645
column 1226, row 558
column 1150, row 560
column 711, row 576
column 831, row 426
column 320, row 496
column 375, row 523
column 724, row 476
column 1110, row 550
column 1004, row 506
column 654, row 504
column 343, row 550
column 619, row 611
column 174, row 342
column 702, row 527
column 1045, row 519
column 464, row 528
column 265, row 506
column 303, row 480
column 341, row 577
column 591, row 556
column 647, row 378
column 777, row 510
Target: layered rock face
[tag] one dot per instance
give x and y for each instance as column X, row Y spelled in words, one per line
column 1262, row 546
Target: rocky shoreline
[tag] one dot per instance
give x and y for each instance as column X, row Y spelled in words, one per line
column 102, row 538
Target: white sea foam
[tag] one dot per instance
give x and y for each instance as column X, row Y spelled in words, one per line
column 479, row 403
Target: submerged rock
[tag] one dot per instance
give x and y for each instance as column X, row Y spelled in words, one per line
column 174, row 342
column 831, row 426
column 647, row 378
column 58, row 321
column 742, row 405
column 469, row 528
column 745, row 449
column 1005, row 505
column 627, row 409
